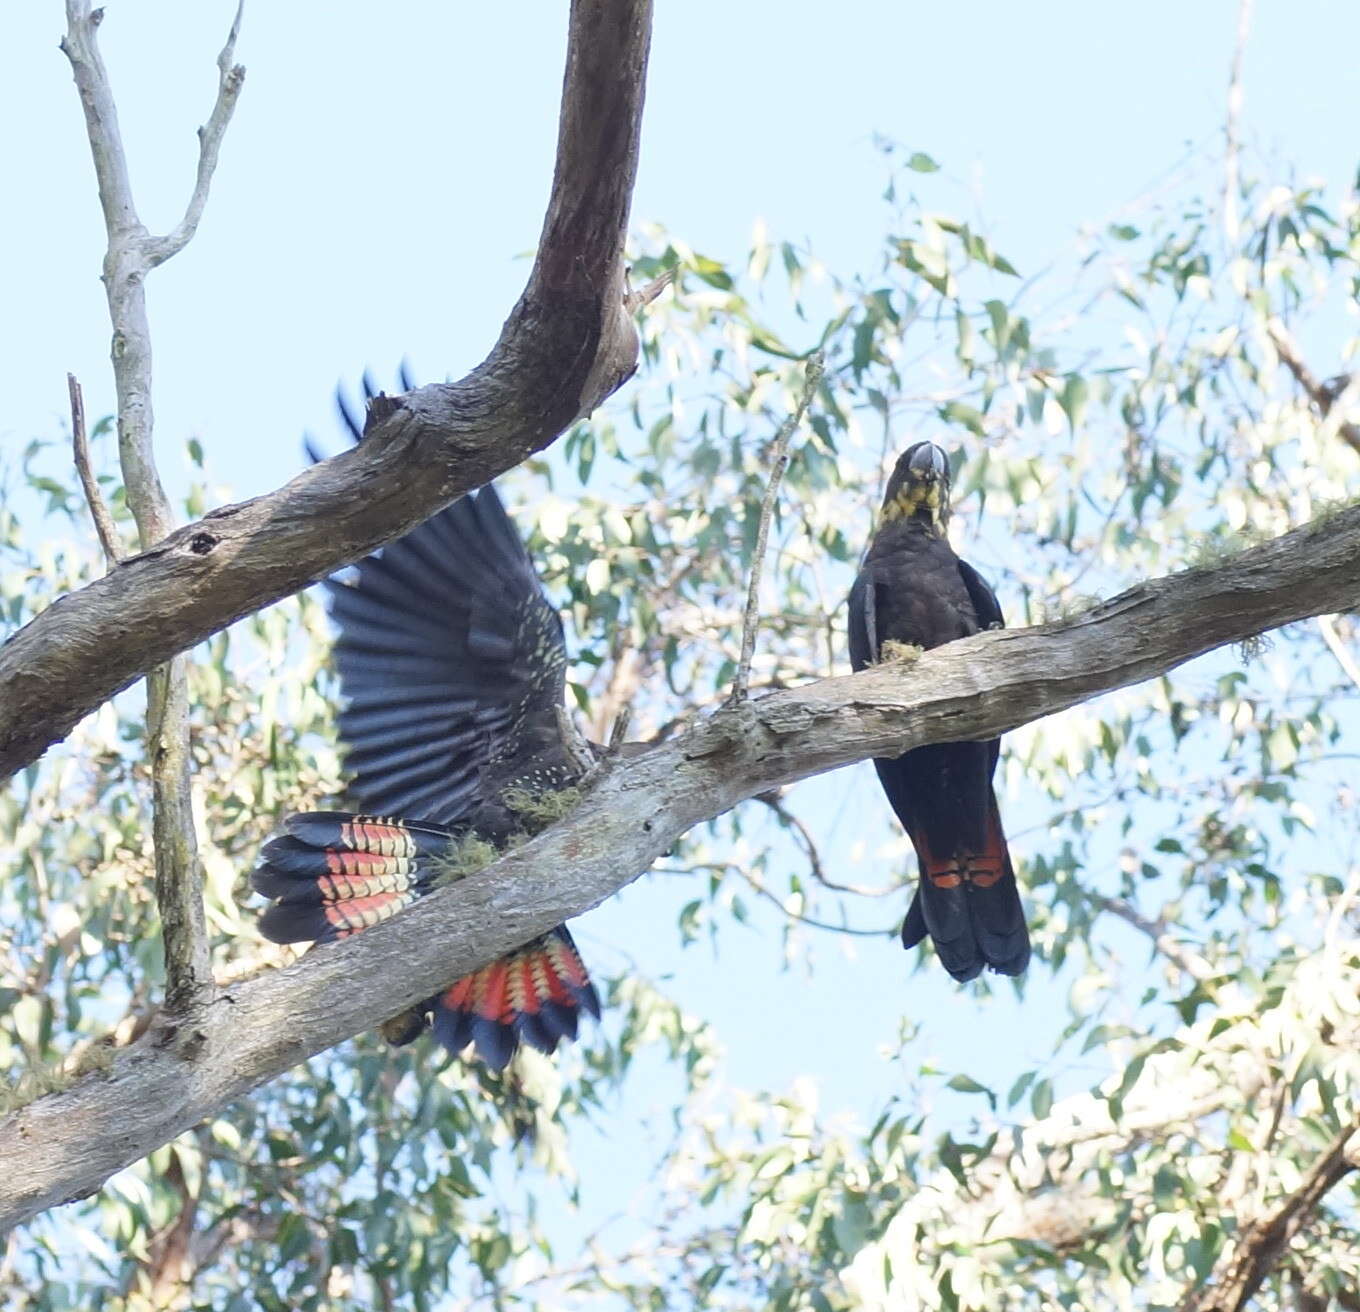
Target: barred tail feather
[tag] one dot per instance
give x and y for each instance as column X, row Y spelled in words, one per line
column 332, row 874
column 534, row 995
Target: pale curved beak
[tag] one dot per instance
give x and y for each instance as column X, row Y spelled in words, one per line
column 929, row 461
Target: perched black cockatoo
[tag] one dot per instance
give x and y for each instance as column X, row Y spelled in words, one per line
column 912, row 589
column 453, row 667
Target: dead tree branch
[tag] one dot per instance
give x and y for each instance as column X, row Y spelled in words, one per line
column 1191, row 963
column 568, row 343
column 132, row 253
column 104, row 526
column 64, row 1146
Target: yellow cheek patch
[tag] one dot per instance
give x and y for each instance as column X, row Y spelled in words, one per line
column 912, row 500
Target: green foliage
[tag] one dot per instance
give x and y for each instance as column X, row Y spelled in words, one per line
column 1186, row 844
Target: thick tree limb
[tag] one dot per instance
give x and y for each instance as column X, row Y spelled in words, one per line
column 66, row 1145
column 567, row 344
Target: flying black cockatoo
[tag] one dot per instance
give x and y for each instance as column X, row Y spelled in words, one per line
column 912, row 589
column 453, row 667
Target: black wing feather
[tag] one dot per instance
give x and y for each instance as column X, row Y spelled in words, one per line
column 448, row 654
column 985, row 605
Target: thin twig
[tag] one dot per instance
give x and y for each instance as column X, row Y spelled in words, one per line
column 811, row 378
column 131, row 254
column 1232, row 125
column 99, row 512
column 803, row 919
column 635, row 299
column 1191, row 963
column 1323, row 396
column 815, row 866
column 229, row 79
column 619, row 729
column 726, row 868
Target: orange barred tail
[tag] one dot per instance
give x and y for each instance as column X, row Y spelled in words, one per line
column 969, row 904
column 332, row 874
column 535, row 995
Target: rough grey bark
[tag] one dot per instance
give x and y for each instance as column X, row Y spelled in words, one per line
column 567, row 344
column 65, row 1145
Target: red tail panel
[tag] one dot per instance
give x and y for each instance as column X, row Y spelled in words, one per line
column 534, row 995
column 981, row 869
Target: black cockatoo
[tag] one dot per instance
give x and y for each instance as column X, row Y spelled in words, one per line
column 912, row 589
column 453, row 667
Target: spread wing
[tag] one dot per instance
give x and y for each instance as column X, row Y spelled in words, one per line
column 450, row 658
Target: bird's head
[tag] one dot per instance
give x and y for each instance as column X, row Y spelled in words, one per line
column 919, row 487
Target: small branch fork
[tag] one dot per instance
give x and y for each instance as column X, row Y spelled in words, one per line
column 1324, row 396
column 132, row 253
column 812, row 378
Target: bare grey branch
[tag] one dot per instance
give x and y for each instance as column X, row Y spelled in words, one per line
column 103, row 521
column 229, row 82
column 130, row 256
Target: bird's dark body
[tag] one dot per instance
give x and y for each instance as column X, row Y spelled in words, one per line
column 913, row 590
column 453, row 667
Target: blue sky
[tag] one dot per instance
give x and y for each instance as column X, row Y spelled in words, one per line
column 384, row 179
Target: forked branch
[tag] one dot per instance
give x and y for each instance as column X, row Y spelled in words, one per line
column 568, row 343
column 131, row 254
